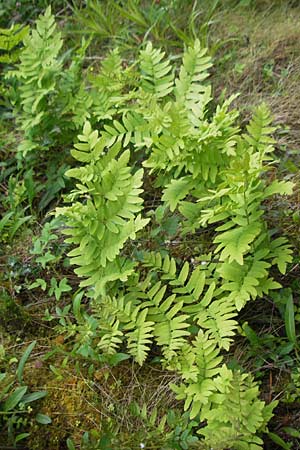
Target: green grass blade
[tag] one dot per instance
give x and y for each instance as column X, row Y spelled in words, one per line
column 289, row 319
column 23, row 360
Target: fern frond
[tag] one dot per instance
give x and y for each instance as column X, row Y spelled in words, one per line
column 281, row 253
column 156, row 75
column 260, row 129
column 140, row 338
column 243, row 282
column 9, row 39
column 236, row 413
column 110, row 79
column 133, row 128
column 99, row 277
column 39, row 70
column 235, row 243
column 109, row 217
column 176, row 191
column 111, row 340
column 190, row 90
column 171, row 332
column 218, row 320
column 197, row 391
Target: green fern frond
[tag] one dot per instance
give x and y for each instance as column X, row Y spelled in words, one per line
column 242, row 283
column 236, row 414
column 110, row 79
column 171, row 332
column 260, row 129
column 132, row 129
column 279, row 187
column 177, row 190
column 140, row 338
column 218, row 320
column 197, row 391
column 190, row 90
column 236, row 242
column 281, row 253
column 109, row 216
column 99, row 277
column 111, row 340
column 39, row 69
column 10, row 39
column 50, row 95
column 156, row 75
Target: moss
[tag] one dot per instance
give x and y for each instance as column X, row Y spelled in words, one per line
column 77, row 402
column 69, row 403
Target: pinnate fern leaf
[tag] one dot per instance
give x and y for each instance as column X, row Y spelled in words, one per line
column 236, row 242
column 140, row 338
column 156, row 74
column 101, row 225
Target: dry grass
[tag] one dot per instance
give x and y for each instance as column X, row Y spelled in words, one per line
column 261, row 62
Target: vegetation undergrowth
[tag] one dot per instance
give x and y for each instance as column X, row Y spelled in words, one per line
column 144, row 277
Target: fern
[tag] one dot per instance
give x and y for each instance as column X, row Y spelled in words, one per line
column 10, row 39
column 227, row 401
column 259, row 130
column 210, row 174
column 281, row 253
column 165, row 319
column 140, row 337
column 171, row 332
column 236, row 414
column 111, row 340
column 109, row 217
column 236, row 242
column 156, row 78
column 53, row 101
column 218, row 320
column 108, row 87
column 190, row 91
column 244, row 245
column 38, row 74
column 200, row 298
column 199, row 385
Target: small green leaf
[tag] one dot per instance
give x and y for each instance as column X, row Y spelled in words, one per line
column 251, row 335
column 115, row 359
column 43, row 419
column 77, row 304
column 176, row 191
column 34, row 396
column 289, row 319
column 39, row 282
column 70, row 444
column 277, row 439
column 292, row 432
column 21, row 436
column 15, row 398
column 43, row 260
column 23, row 360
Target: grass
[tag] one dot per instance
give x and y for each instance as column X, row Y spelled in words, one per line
column 261, row 60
